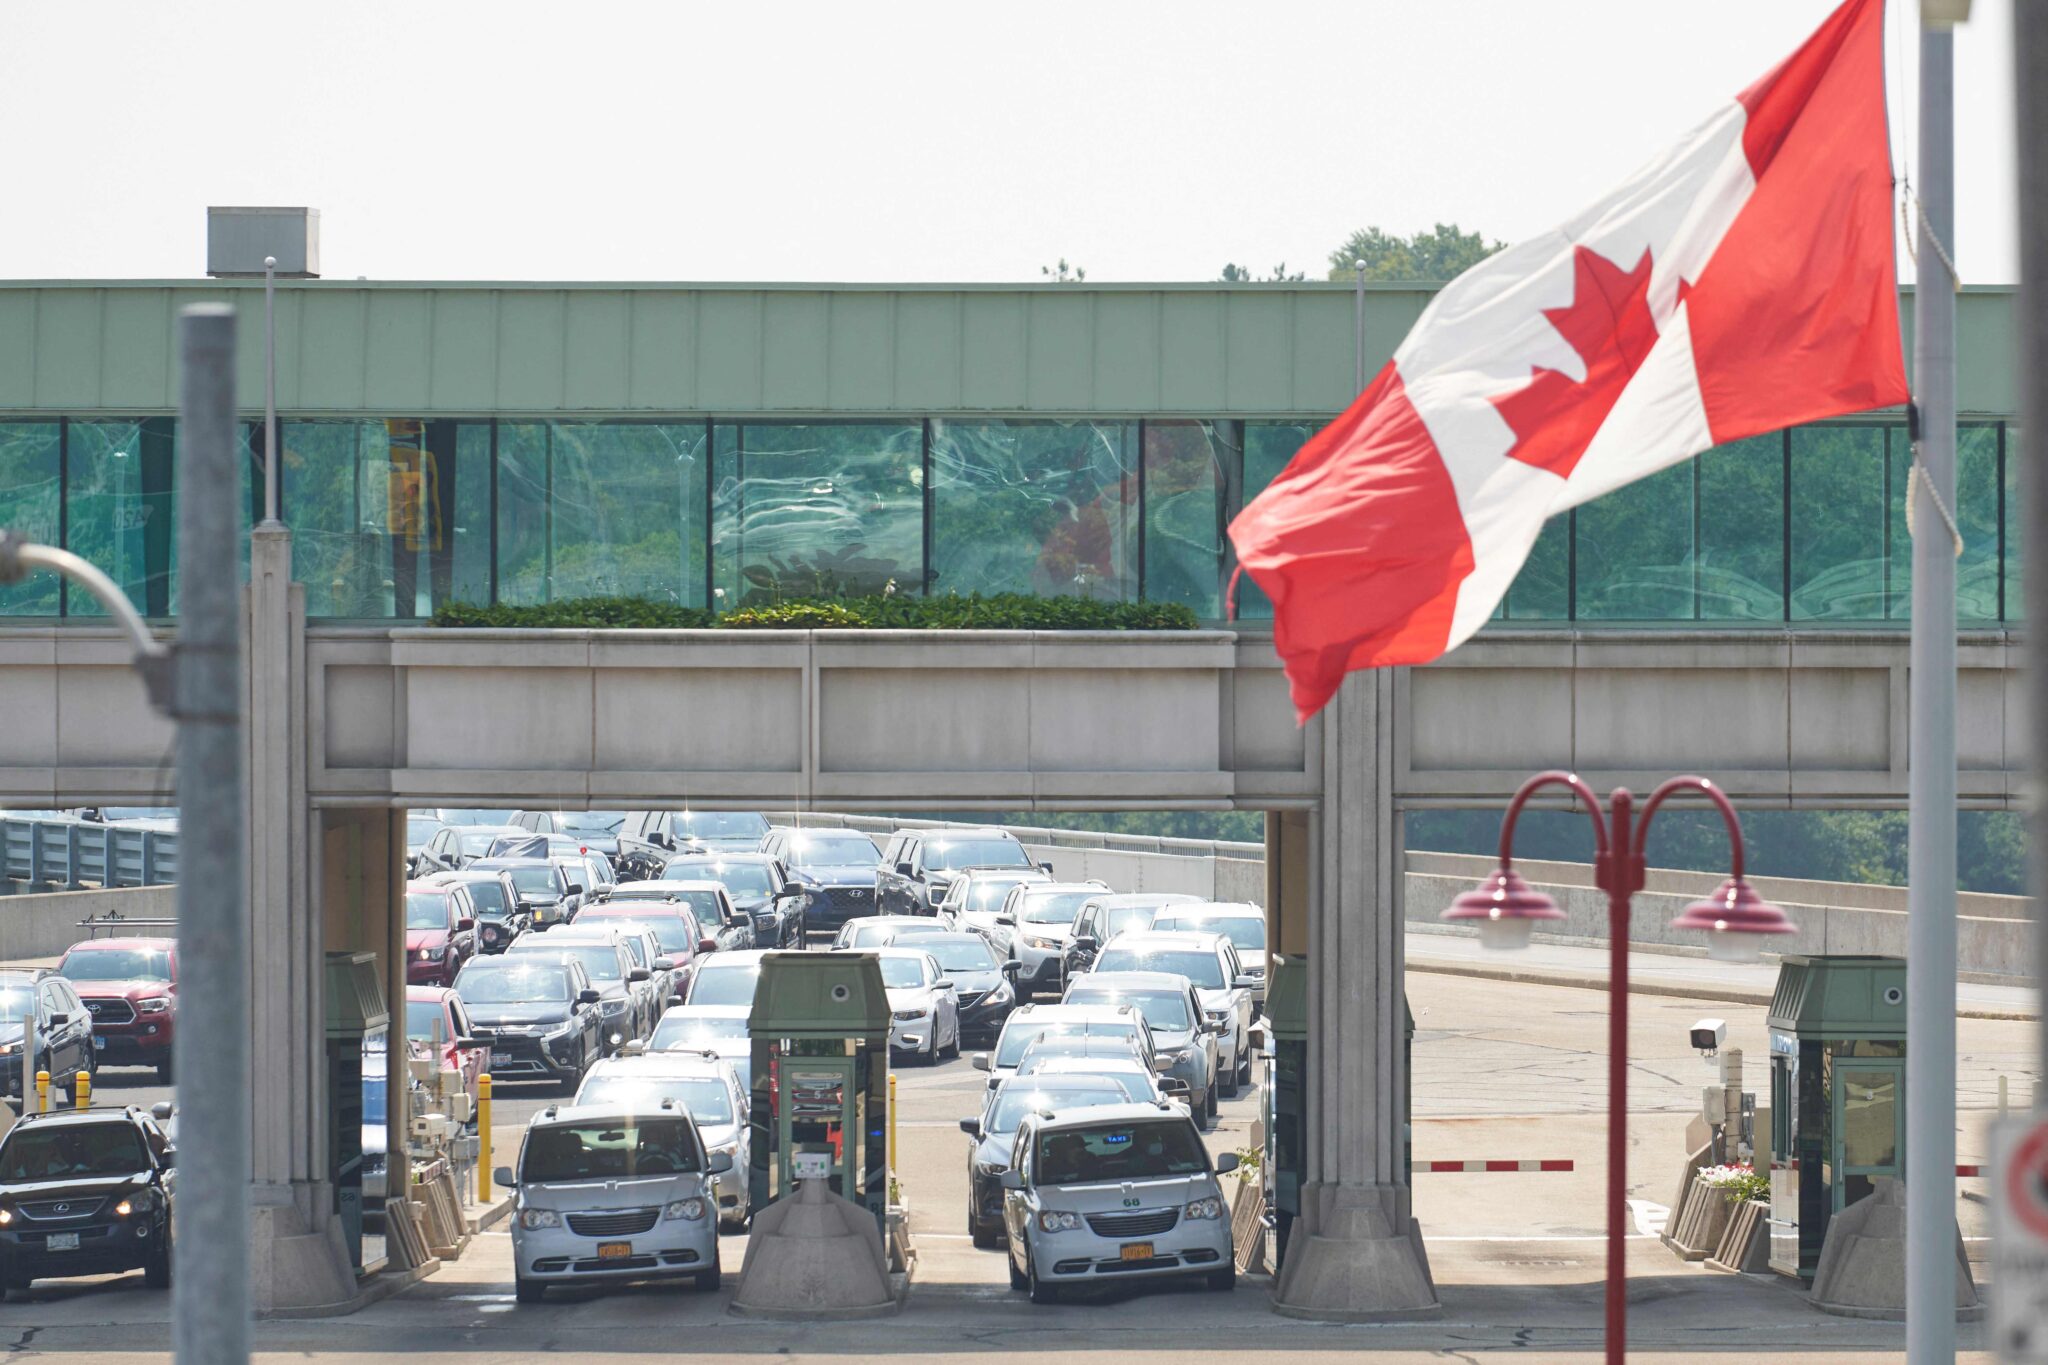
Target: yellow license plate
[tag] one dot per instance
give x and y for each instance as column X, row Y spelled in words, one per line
column 1137, row 1251
column 611, row 1251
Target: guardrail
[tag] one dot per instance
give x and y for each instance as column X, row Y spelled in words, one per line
column 67, row 852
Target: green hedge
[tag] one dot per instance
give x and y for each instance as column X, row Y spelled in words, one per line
column 1003, row 611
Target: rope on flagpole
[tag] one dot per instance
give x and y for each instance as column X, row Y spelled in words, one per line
column 1918, row 476
column 1927, row 228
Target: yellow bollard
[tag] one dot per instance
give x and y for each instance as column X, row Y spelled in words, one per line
column 892, row 1123
column 42, row 1092
column 81, row 1098
column 483, row 1136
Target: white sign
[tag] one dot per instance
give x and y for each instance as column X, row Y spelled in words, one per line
column 2019, row 1240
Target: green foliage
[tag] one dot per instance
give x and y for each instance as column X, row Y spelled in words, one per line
column 1740, row 1183
column 1443, row 253
column 1000, row 611
column 1242, row 274
column 1063, row 273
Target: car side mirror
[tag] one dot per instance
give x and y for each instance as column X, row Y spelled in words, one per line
column 1046, row 868
column 674, row 1000
column 638, row 974
column 503, row 1175
column 1013, row 1180
column 1006, row 919
column 905, row 870
column 1011, row 969
column 707, row 945
column 971, row 1127
column 478, row 1037
column 170, row 1156
column 1226, row 1163
column 1160, row 1064
column 660, row 840
column 1258, row 1038
column 944, row 983
column 1086, row 943
column 575, row 888
column 588, row 997
column 59, row 1019
column 664, row 964
column 161, row 1111
column 979, row 1061
column 1176, row 1088
column 719, row 1164
column 464, row 924
column 1245, row 981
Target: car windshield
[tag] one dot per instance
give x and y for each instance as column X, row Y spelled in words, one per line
column 962, row 955
column 900, row 972
column 672, row 932
column 590, row 821
column 420, row 1018
column 705, row 1098
column 1019, row 1035
column 426, row 910
column 14, row 1004
column 599, row 960
column 116, row 964
column 1054, row 907
column 1163, row 1010
column 703, row 903
column 1204, row 969
column 975, row 853
column 475, row 845
column 715, row 985
column 904, row 933
column 489, row 898
column 1122, row 1151
column 636, row 945
column 535, row 881
column 1118, row 918
column 987, row 893
column 71, row 1151
column 613, row 1149
column 502, row 983
column 1242, row 930
column 719, row 824
column 741, row 879
column 833, row 850
column 1016, row 1101
column 680, row 1032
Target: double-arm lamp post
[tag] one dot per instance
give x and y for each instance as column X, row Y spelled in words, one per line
column 1507, row 909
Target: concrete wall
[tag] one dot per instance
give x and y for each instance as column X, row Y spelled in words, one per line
column 42, row 924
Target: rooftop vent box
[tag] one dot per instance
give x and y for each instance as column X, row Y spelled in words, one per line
column 237, row 240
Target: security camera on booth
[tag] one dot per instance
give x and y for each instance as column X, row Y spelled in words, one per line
column 1708, row 1035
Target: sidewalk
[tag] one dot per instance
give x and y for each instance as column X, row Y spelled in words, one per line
column 1697, row 978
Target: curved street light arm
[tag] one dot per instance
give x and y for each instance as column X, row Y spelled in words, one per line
column 1671, row 787
column 19, row 556
column 1554, row 777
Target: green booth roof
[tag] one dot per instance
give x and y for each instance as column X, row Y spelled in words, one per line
column 1843, row 996
column 837, row 995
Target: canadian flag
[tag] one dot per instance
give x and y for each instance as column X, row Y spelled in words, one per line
column 1740, row 283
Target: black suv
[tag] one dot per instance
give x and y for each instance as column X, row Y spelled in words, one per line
column 86, row 1193
column 64, row 1046
column 541, row 1014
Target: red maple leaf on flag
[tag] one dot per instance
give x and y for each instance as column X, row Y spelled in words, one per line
column 1608, row 322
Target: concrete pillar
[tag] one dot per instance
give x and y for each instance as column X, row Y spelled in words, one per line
column 1357, row 1253
column 298, row 1258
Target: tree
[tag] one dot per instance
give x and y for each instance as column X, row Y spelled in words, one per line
column 1442, row 253
column 1063, row 273
column 1241, row 274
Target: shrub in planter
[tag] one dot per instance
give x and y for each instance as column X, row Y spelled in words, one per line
column 1739, row 1182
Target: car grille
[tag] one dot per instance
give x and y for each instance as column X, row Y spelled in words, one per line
column 111, row 1011
column 62, row 1210
column 1132, row 1224
column 854, row 900
column 618, row 1223
column 968, row 998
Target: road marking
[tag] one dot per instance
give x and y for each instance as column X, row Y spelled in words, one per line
column 1650, row 1219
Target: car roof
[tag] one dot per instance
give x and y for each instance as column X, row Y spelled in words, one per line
column 681, row 1064
column 888, row 950
column 437, row 995
column 1037, row 888
column 1167, row 938
column 1080, row 1045
column 76, row 1118
column 612, row 1109
column 1076, row 1014
column 1219, row 910
column 571, row 933
column 744, row 957
column 707, row 1011
column 1128, row 981
column 738, row 855
column 151, row 943
column 1104, row 1115
column 1139, row 899
column 510, row 864
column 26, row 975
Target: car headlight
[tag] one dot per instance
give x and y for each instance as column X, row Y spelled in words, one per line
column 6, row 1217
column 1038, row 941
column 127, row 1206
column 425, row 954
column 990, row 1167
column 1057, row 1220
column 156, row 1004
column 691, row 1209
column 556, row 1031
column 1211, row 1207
column 906, row 1015
column 7, row 1049
column 998, row 995
column 1174, row 1057
column 534, row 1219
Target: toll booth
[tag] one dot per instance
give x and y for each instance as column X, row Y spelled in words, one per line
column 820, row 1029
column 1838, row 1095
column 1287, row 1119
column 357, row 1023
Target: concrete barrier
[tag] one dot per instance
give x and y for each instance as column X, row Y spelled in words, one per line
column 42, row 924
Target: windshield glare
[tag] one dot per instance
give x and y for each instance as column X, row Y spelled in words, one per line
column 1241, row 930
column 683, row 1032
column 1015, row 1102
column 901, row 972
column 1125, row 1151
column 426, row 910
column 115, row 964
column 725, row 985
column 1163, row 1010
column 964, row 956
column 613, row 1150
column 72, row 1152
column 598, row 959
column 1126, row 917
column 833, row 850
column 670, row 931
column 718, row 824
column 493, row 983
column 706, row 1100
column 1018, row 1036
column 13, row 1006
column 1054, row 907
column 975, row 853
column 741, row 879
column 488, row 898
column 1204, row 969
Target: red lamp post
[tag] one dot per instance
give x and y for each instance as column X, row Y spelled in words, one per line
column 1735, row 918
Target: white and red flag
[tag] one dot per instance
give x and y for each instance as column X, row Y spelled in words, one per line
column 1740, row 283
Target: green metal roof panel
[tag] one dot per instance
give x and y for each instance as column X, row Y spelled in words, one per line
column 1839, row 996
column 421, row 349
column 1287, row 997
column 836, row 994
column 355, row 994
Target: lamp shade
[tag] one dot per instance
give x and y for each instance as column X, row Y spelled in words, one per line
column 1505, row 908
column 1736, row 920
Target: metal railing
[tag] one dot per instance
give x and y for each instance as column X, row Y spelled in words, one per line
column 69, row 852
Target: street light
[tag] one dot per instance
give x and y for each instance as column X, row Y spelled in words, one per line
column 1735, row 919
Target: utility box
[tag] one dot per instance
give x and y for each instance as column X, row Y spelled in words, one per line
column 356, row 1021
column 820, row 1029
column 1838, row 1095
column 237, row 240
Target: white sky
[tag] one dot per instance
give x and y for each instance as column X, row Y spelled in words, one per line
column 881, row 141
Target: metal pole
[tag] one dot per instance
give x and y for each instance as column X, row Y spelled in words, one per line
column 1358, row 322
column 210, row 1277
column 2030, row 97
column 270, row 517
column 1619, row 831
column 1931, row 746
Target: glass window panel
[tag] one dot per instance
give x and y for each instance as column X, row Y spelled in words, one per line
column 1541, row 591
column 1268, row 446
column 469, row 550
column 31, row 480
column 341, row 480
column 1635, row 550
column 1976, row 509
column 817, row 510
column 1742, row 530
column 1030, row 506
column 2015, row 520
column 1838, row 550
column 121, row 513
column 1185, row 479
column 600, row 509
column 1870, row 1126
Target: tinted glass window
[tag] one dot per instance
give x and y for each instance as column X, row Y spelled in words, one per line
column 71, row 1151
column 420, row 1018
column 817, row 510
column 741, row 879
column 489, row 898
column 1137, row 1151
column 963, row 955
column 1186, row 466
column 1242, row 931
column 619, row 1150
column 31, row 484
column 1048, row 508
column 681, row 1030
column 1162, row 1009
column 600, row 960
column 1016, row 1101
column 1053, row 907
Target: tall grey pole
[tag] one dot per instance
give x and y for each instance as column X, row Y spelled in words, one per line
column 2030, row 96
column 270, row 453
column 1931, row 744
column 210, row 1275
column 1358, row 324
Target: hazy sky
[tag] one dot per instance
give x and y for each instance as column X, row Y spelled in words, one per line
column 885, row 140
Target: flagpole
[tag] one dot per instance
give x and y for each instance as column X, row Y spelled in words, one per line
column 2030, row 92
column 1358, row 324
column 1931, row 757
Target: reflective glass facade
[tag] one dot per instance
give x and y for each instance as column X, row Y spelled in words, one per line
column 394, row 517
